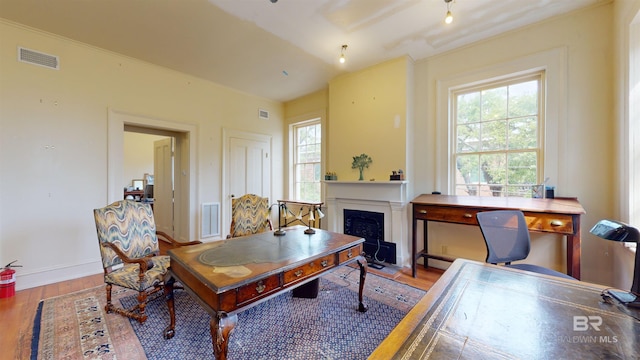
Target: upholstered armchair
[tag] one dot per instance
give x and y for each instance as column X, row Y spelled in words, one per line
column 130, row 252
column 249, row 215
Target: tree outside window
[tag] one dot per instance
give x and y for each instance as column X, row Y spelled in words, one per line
column 498, row 146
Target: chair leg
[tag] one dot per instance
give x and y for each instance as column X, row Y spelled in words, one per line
column 109, row 307
column 142, row 303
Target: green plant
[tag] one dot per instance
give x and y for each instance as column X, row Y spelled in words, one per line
column 361, row 162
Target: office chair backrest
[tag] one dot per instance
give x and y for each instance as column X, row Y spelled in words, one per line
column 505, row 234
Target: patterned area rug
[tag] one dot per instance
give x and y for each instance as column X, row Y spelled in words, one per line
column 328, row 327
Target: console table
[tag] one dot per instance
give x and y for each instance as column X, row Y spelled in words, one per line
column 559, row 215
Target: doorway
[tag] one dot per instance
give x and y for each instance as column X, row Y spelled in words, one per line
column 185, row 179
column 150, row 152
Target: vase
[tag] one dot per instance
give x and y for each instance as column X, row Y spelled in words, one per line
column 361, row 175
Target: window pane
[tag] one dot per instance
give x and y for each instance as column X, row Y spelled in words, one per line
column 523, row 133
column 523, row 99
column 494, row 104
column 468, row 137
column 493, row 168
column 468, row 167
column 522, row 168
column 494, row 135
column 468, row 108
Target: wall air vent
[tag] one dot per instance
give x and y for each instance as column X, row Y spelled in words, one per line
column 38, row 58
column 210, row 220
column 263, row 114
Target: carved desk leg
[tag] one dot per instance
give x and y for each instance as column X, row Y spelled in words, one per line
column 362, row 262
column 221, row 327
column 169, row 332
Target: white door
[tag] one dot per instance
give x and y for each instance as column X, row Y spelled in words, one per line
column 248, row 169
column 163, row 185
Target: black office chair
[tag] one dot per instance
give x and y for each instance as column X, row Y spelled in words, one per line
column 506, row 235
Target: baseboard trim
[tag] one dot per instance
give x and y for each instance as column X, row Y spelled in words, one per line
column 54, row 275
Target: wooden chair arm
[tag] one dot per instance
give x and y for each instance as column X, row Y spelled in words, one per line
column 166, row 238
column 144, row 262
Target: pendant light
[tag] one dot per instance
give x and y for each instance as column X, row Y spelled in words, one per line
column 449, row 18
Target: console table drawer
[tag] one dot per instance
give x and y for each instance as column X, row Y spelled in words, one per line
column 350, row 253
column 446, row 214
column 258, row 288
column 555, row 223
column 309, row 269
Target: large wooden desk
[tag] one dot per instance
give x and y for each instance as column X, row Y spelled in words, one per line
column 232, row 275
column 484, row 311
column 560, row 216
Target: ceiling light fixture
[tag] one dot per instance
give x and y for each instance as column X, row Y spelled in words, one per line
column 449, row 18
column 342, row 58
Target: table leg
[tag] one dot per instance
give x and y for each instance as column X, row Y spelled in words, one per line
column 414, row 245
column 573, row 250
column 169, row 332
column 221, row 327
column 363, row 275
column 425, row 246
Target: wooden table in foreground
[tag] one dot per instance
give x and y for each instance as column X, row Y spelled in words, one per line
column 484, row 311
column 232, row 275
column 560, row 216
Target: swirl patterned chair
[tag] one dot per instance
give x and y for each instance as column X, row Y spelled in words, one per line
column 249, row 215
column 130, row 252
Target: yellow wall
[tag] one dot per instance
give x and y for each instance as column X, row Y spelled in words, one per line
column 584, row 140
column 368, row 114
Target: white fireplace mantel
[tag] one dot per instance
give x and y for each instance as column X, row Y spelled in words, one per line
column 387, row 197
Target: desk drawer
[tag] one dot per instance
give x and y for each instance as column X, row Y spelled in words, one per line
column 448, row 214
column 309, row 269
column 350, row 253
column 556, row 223
column 258, row 289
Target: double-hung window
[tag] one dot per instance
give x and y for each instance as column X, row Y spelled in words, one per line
column 307, row 156
column 498, row 134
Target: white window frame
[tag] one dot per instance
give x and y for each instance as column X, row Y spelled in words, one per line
column 293, row 153
column 538, row 76
column 554, row 63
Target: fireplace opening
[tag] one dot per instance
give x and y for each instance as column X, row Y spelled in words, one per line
column 370, row 226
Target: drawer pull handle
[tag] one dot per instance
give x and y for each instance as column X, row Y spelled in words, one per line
column 423, row 211
column 298, row 273
column 468, row 216
column 349, row 254
column 556, row 223
column 260, row 288
column 324, row 263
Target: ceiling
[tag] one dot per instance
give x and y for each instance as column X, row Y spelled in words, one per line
column 278, row 50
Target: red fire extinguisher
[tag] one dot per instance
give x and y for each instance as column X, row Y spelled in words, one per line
column 8, row 280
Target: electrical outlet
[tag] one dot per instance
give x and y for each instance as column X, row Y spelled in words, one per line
column 443, row 250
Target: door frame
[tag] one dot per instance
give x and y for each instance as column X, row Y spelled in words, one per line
column 225, row 195
column 186, row 178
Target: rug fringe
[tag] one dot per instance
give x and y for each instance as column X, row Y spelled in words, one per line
column 35, row 338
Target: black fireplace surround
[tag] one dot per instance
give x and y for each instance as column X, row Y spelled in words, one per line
column 370, row 226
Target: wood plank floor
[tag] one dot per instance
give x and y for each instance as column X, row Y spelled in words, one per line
column 17, row 312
